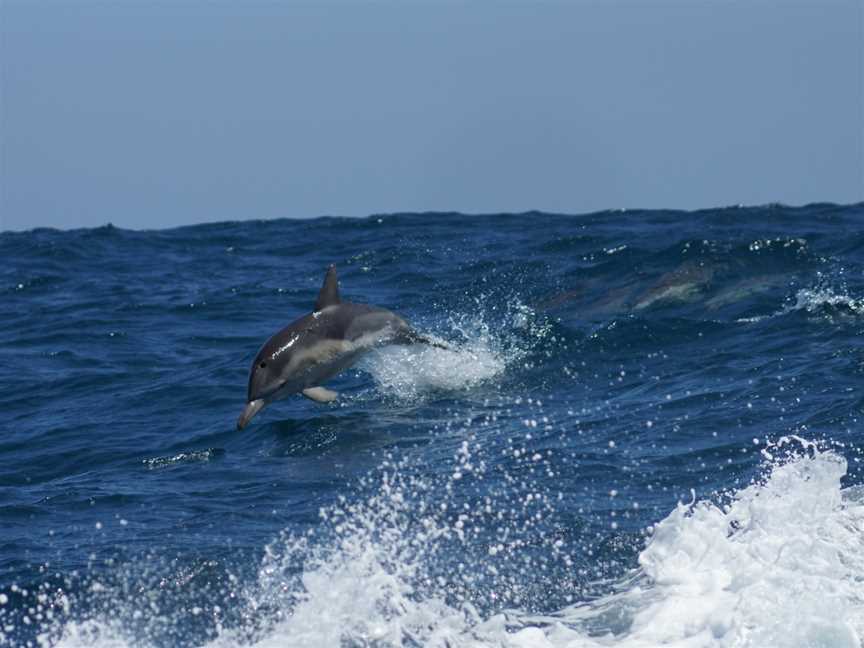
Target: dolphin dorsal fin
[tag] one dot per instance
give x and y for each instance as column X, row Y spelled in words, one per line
column 329, row 295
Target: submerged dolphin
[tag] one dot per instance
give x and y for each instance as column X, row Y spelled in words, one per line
column 318, row 346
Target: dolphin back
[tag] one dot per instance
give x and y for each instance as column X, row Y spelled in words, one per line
column 361, row 323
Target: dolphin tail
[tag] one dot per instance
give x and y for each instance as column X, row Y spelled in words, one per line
column 413, row 337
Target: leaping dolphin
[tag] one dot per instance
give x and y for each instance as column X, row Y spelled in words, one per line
column 319, row 345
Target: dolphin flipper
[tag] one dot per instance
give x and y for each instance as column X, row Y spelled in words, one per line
column 320, row 394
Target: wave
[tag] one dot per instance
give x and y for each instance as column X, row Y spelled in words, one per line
column 140, row 518
column 819, row 300
column 777, row 563
column 825, row 299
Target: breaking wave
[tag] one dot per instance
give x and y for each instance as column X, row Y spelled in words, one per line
column 777, row 563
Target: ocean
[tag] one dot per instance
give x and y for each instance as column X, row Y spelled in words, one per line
column 646, row 432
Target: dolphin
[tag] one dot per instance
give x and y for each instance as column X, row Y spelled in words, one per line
column 318, row 346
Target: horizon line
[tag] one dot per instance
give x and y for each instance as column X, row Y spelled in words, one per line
column 439, row 213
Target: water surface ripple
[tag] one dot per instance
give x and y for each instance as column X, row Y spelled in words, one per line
column 647, row 433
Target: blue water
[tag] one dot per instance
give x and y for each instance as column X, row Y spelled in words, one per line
column 646, row 433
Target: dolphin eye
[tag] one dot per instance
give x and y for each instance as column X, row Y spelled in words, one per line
column 263, row 364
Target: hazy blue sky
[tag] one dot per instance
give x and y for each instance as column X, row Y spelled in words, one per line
column 153, row 114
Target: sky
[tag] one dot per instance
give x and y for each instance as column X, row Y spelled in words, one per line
column 158, row 114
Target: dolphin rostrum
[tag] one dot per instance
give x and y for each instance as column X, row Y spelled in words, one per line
column 316, row 347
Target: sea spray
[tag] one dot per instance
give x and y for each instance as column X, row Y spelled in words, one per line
column 777, row 565
column 481, row 345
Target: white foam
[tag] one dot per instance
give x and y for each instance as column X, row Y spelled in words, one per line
column 411, row 372
column 814, row 300
column 89, row 634
column 779, row 565
column 361, row 589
